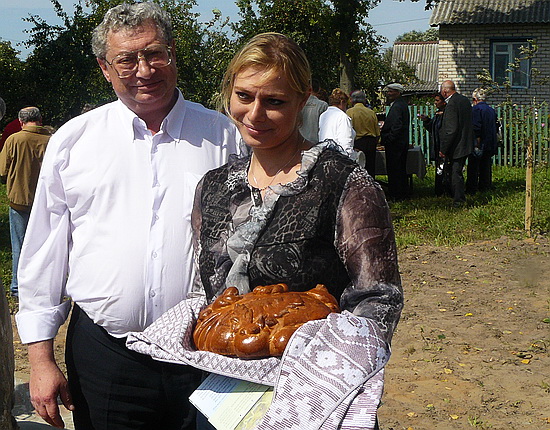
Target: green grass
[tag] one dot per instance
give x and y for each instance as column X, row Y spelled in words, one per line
column 426, row 219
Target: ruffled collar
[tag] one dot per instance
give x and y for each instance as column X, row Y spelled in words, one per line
column 238, row 169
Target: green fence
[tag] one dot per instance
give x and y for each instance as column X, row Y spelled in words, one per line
column 519, row 124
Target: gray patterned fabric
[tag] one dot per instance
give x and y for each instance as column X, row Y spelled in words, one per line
column 323, row 381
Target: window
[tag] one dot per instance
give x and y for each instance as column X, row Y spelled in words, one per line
column 504, row 53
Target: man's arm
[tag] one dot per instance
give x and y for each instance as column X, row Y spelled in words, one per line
column 449, row 129
column 47, row 383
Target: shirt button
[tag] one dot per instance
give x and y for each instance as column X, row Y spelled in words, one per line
column 156, row 217
column 154, row 255
column 152, row 294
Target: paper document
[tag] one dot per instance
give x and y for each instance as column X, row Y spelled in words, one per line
column 231, row 403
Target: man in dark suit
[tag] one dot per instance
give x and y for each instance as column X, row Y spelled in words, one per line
column 395, row 139
column 456, row 138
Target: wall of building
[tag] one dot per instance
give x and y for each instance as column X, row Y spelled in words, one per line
column 464, row 51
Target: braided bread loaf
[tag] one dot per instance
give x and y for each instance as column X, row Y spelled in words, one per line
column 259, row 324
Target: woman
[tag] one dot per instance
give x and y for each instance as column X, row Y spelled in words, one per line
column 442, row 179
column 292, row 211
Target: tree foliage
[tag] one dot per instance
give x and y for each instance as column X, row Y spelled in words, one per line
column 61, row 75
column 430, row 35
column 11, row 71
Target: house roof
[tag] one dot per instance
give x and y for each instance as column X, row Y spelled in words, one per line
column 423, row 57
column 491, row 12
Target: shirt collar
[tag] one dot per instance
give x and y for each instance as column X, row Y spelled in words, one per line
column 172, row 123
column 449, row 98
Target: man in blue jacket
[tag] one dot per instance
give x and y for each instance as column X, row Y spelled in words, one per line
column 484, row 120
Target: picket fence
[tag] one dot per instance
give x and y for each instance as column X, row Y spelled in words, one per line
column 519, row 124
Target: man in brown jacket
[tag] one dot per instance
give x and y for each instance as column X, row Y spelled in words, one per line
column 20, row 162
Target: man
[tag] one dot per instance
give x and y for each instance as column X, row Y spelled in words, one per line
column 311, row 112
column 110, row 228
column 335, row 124
column 395, row 139
column 442, row 183
column 480, row 161
column 456, row 138
column 20, row 162
column 367, row 130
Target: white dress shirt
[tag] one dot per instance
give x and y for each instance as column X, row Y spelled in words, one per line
column 110, row 225
column 336, row 125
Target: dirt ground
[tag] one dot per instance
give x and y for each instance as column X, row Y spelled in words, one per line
column 472, row 349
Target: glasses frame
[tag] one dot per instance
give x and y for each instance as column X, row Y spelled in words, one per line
column 139, row 57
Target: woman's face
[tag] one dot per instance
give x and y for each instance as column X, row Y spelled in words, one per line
column 265, row 107
column 439, row 102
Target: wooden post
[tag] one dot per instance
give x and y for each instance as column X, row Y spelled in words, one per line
column 529, row 187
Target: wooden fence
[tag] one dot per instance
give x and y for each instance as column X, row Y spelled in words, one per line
column 519, row 124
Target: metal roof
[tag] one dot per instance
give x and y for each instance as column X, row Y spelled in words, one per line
column 423, row 57
column 491, row 12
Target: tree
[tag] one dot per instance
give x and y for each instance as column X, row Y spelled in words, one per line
column 308, row 22
column 11, row 71
column 432, row 34
column 62, row 72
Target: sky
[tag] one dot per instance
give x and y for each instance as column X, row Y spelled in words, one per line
column 390, row 18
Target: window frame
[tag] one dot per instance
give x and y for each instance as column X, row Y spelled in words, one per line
column 510, row 42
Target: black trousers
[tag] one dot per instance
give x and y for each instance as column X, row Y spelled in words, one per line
column 396, row 168
column 367, row 145
column 114, row 388
column 457, row 180
column 479, row 173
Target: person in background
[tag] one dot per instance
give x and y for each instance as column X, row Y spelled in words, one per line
column 395, row 139
column 433, row 125
column 480, row 161
column 341, row 232
column 11, row 127
column 110, row 228
column 456, row 138
column 20, row 162
column 311, row 113
column 335, row 124
column 367, row 130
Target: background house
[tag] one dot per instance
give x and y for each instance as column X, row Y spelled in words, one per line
column 423, row 57
column 487, row 34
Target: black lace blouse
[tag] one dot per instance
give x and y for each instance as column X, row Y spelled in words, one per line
column 330, row 226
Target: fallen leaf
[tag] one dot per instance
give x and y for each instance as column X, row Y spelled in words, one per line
column 412, row 414
column 442, row 310
column 454, row 417
column 526, row 361
column 469, row 314
column 448, row 371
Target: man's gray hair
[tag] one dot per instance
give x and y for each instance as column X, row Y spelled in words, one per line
column 2, row 108
column 479, row 94
column 29, row 114
column 127, row 17
column 358, row 96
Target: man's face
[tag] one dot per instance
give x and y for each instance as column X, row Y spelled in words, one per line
column 149, row 90
column 391, row 95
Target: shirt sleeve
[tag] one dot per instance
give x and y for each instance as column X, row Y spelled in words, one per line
column 43, row 265
column 366, row 244
column 347, row 135
column 5, row 159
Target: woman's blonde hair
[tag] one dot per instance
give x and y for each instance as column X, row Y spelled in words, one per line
column 272, row 52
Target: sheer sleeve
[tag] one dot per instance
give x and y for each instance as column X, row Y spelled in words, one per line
column 366, row 244
column 196, row 224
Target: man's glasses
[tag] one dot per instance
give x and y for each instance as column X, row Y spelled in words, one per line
column 126, row 64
